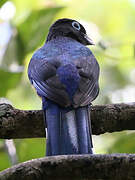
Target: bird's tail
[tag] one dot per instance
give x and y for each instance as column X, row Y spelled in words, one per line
column 69, row 130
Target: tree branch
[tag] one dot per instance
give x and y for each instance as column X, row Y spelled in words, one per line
column 74, row 167
column 16, row 123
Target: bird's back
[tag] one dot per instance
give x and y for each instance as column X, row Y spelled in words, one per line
column 68, row 72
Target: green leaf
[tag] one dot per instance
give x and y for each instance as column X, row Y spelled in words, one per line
column 124, row 144
column 35, row 28
column 5, row 163
column 8, row 80
column 14, row 53
column 4, row 159
column 30, row 148
column 30, row 35
column 2, row 2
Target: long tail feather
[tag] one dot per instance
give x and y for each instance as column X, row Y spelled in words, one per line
column 84, row 130
column 69, row 130
column 53, row 129
column 69, row 135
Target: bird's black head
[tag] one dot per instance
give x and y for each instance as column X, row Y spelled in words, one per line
column 69, row 28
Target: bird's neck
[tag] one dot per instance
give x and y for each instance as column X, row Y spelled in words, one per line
column 62, row 41
column 54, row 35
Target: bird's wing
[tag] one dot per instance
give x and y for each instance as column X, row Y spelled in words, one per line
column 88, row 89
column 42, row 74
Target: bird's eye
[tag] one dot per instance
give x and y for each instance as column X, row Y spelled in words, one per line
column 76, row 25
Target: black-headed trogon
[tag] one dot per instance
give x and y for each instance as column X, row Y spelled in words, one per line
column 65, row 75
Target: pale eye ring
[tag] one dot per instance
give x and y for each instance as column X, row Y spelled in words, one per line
column 76, row 25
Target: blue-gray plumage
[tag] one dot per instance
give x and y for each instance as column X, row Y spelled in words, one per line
column 65, row 74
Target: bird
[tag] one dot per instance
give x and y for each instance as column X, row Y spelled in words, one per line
column 65, row 74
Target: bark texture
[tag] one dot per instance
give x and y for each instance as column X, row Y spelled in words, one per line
column 74, row 167
column 16, row 123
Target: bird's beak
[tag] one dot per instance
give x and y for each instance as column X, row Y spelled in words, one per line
column 88, row 40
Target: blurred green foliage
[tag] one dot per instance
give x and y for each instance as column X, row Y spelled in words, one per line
column 109, row 23
column 2, row 2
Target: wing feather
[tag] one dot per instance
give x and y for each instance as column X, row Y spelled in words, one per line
column 45, row 80
column 88, row 88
